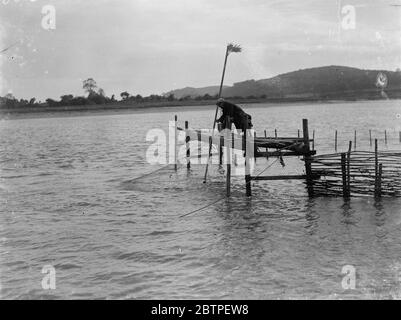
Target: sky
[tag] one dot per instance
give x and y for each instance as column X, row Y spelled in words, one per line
column 153, row 46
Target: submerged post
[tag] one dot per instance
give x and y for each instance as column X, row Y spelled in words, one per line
column 228, row 157
column 187, row 145
column 308, row 167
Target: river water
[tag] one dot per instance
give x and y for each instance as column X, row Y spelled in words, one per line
column 73, row 196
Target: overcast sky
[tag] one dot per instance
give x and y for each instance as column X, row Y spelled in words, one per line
column 153, row 46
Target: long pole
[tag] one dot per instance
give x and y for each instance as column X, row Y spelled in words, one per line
column 215, row 116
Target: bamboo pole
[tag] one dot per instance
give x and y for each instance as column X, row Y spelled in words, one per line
column 215, row 115
column 187, row 145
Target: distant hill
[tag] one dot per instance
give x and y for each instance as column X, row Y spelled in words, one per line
column 194, row 92
column 321, row 82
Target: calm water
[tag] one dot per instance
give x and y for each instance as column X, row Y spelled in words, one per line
column 71, row 198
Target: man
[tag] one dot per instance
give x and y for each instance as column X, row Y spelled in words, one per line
column 238, row 117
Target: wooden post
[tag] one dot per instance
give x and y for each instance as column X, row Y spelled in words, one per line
column 228, row 157
column 349, row 169
column 308, row 167
column 370, row 137
column 298, row 133
column 355, row 140
column 266, row 135
column 175, row 142
column 313, row 140
column 399, row 136
column 221, row 144
column 275, row 133
column 376, row 168
column 379, row 181
column 199, row 146
column 335, row 142
column 187, row 145
column 344, row 175
column 248, row 186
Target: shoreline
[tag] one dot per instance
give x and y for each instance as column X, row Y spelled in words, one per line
column 148, row 107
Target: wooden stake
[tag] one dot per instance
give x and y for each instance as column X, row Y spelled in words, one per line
column 199, row 135
column 344, row 175
column 313, row 140
column 349, row 169
column 370, row 137
column 385, row 137
column 379, row 181
column 266, row 135
column 355, row 140
column 187, row 145
column 376, row 168
column 275, row 133
column 308, row 167
column 221, row 144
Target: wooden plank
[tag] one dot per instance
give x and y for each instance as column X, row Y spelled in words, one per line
column 284, row 177
column 264, row 154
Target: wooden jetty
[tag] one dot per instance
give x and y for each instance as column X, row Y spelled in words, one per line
column 346, row 174
column 254, row 147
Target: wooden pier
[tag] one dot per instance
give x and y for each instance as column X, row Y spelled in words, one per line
column 255, row 147
column 345, row 174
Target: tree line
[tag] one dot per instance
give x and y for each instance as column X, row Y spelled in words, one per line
column 96, row 95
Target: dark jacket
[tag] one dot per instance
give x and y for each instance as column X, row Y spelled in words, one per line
column 238, row 117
